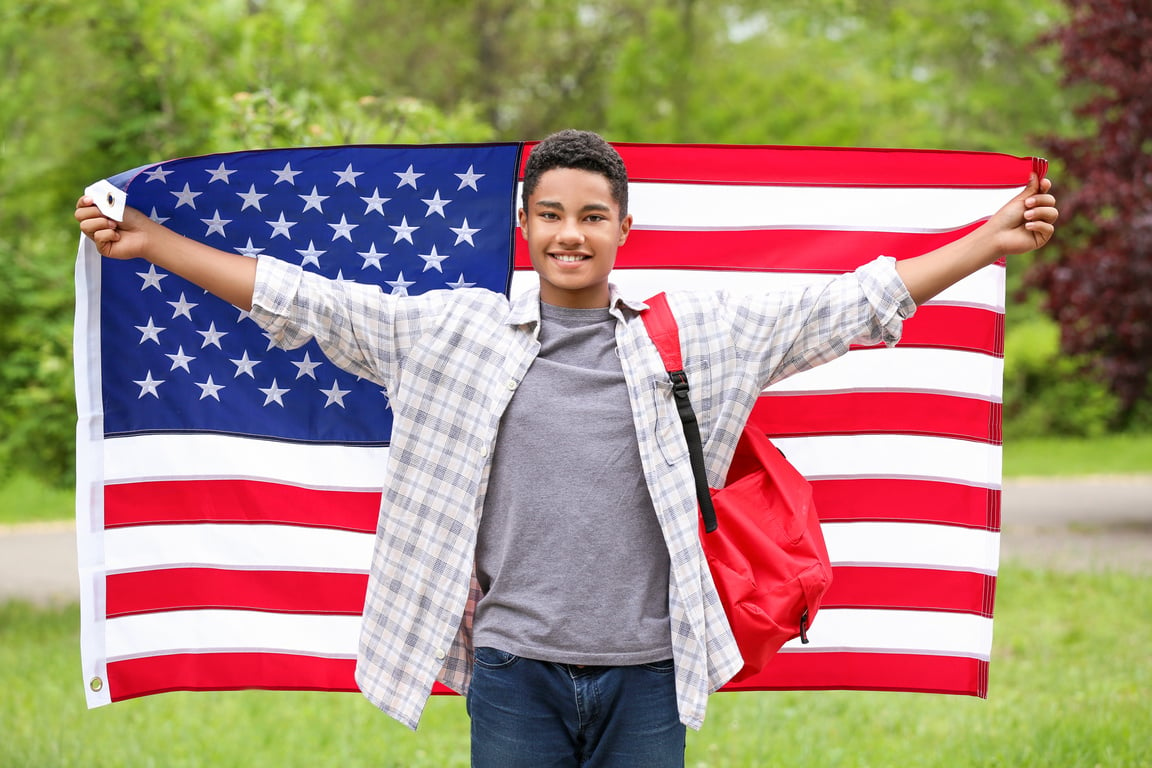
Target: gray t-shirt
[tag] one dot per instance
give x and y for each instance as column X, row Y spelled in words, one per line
column 570, row 555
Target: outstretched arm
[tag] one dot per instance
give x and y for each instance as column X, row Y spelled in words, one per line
column 230, row 276
column 1024, row 224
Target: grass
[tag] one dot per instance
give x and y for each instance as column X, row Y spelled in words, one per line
column 24, row 499
column 1069, row 684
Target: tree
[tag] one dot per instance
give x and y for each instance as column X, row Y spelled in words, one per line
column 1099, row 283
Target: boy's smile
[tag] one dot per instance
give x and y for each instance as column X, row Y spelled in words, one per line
column 573, row 228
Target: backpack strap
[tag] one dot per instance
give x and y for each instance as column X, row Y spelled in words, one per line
column 665, row 334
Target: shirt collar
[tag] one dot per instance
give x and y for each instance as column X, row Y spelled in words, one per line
column 525, row 307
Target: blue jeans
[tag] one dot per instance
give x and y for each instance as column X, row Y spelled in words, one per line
column 537, row 714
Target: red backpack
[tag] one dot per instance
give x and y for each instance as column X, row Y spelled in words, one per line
column 760, row 532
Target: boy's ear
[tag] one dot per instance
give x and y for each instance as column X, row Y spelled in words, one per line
column 625, row 228
column 522, row 216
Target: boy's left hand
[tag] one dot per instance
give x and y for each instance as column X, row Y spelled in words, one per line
column 1028, row 220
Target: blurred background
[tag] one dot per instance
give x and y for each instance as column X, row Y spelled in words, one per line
column 89, row 90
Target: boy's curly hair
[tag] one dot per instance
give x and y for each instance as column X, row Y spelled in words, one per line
column 583, row 150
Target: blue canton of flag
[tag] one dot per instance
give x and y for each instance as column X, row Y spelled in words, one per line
column 408, row 219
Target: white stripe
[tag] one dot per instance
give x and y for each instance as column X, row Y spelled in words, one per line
column 908, row 456
column 895, row 456
column 201, row 631
column 183, row 456
column 912, row 545
column 903, row 369
column 877, row 209
column 920, row 632
column 287, row 547
column 284, row 547
column 984, row 289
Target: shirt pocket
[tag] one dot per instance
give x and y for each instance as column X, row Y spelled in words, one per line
column 669, row 428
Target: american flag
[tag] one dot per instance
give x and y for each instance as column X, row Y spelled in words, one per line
column 228, row 490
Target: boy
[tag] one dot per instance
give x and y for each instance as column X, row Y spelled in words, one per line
column 537, row 547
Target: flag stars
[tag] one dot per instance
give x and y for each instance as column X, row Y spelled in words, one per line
column 436, row 204
column 469, row 178
column 371, row 257
column 212, row 336
column 375, row 202
column 186, row 197
column 151, row 278
column 158, row 174
column 464, row 234
column 157, row 217
column 219, row 174
column 180, row 360
column 286, row 174
column 245, row 366
column 400, row 286
column 407, row 178
column 334, row 395
column 314, row 201
column 306, row 367
column 281, row 227
column 403, row 231
column 149, row 386
column 461, row 283
column 274, row 394
column 347, row 176
column 251, row 198
column 311, row 255
column 343, row 229
column 432, row 260
column 250, row 250
column 182, row 307
column 216, row 224
column 209, row 389
column 150, row 332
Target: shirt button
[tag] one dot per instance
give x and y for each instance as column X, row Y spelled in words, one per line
column 512, row 383
column 483, row 450
column 440, row 654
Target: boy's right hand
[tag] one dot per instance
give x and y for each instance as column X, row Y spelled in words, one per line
column 118, row 240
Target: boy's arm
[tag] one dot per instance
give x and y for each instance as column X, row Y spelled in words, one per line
column 1024, row 224
column 230, row 276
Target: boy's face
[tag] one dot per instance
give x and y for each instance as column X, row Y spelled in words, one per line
column 573, row 228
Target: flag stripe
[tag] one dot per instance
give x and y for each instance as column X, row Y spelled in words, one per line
column 983, row 289
column 926, row 501
column 908, row 413
column 213, row 630
column 924, row 673
column 257, row 545
column 325, row 592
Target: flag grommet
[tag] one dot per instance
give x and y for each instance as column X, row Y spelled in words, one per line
column 96, row 684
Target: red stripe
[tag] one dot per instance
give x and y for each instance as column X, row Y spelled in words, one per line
column 238, row 501
column 920, row 589
column 899, row 500
column 764, row 250
column 950, row 327
column 131, row 678
column 173, row 589
column 857, row 413
column 170, row 589
column 820, row 166
column 871, row 672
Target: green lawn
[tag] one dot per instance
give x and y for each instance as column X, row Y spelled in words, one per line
column 1069, row 688
column 23, row 499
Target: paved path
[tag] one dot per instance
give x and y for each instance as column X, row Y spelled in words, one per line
column 1092, row 523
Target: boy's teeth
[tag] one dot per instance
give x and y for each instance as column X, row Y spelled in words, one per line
column 566, row 257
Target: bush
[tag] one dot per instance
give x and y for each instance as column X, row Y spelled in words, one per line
column 1047, row 392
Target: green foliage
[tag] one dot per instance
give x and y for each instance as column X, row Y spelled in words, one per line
column 1047, row 392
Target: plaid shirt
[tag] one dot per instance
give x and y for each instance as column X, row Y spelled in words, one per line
column 451, row 361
